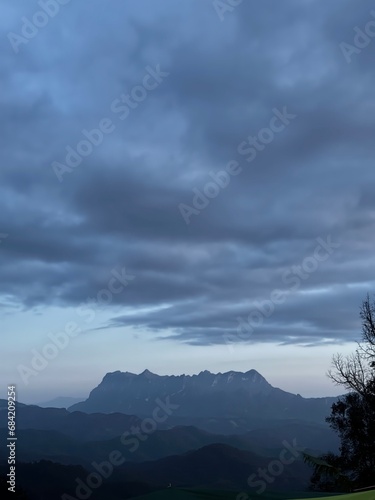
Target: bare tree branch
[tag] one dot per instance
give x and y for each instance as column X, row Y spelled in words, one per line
column 356, row 372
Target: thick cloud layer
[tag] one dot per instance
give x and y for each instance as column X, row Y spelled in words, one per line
column 266, row 91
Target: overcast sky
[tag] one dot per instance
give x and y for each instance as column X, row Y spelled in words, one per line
column 222, row 216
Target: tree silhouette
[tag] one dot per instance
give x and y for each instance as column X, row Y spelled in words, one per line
column 352, row 416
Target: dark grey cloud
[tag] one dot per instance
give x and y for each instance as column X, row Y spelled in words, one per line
column 119, row 207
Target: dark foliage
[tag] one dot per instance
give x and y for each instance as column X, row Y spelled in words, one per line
column 352, row 417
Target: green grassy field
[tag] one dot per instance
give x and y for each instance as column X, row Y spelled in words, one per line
column 366, row 495
column 188, row 494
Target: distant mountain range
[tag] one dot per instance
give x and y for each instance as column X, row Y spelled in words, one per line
column 231, row 395
column 206, row 431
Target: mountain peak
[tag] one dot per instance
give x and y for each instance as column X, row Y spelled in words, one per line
column 205, row 372
column 255, row 375
column 117, row 376
column 148, row 374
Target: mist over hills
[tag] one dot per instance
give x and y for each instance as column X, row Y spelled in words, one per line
column 77, row 425
column 60, row 402
column 38, row 444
